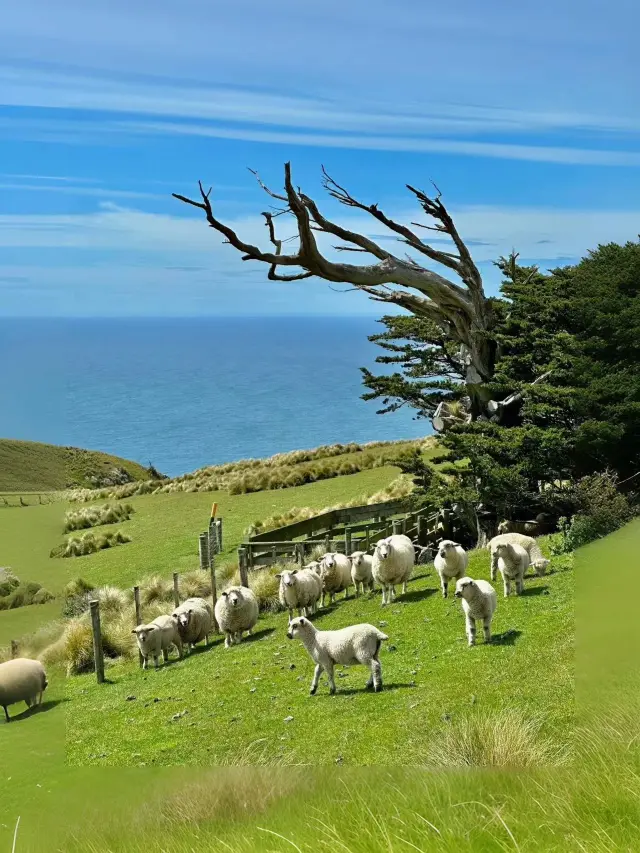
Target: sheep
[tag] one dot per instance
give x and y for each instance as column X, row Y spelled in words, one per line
column 299, row 590
column 21, row 680
column 194, row 621
column 479, row 601
column 536, row 557
column 450, row 562
column 526, row 528
column 361, row 572
column 236, row 611
column 358, row 644
column 393, row 562
column 313, row 566
column 513, row 562
column 335, row 571
column 157, row 637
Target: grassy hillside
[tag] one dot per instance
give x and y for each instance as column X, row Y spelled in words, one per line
column 28, row 466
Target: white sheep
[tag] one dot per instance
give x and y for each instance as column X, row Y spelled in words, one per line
column 194, row 620
column 393, row 562
column 450, row 563
column 361, row 570
column 358, row 644
column 479, row 601
column 236, row 611
column 21, row 680
column 335, row 571
column 156, row 638
column 299, row 590
column 536, row 558
column 513, row 562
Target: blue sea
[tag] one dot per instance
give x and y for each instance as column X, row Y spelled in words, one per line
column 183, row 393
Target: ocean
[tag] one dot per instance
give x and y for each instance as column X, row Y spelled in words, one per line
column 184, row 393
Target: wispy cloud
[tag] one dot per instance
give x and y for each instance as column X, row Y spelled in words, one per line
column 70, row 189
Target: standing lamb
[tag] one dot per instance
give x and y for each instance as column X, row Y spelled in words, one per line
column 21, row 680
column 335, row 571
column 157, row 638
column 299, row 590
column 236, row 611
column 194, row 621
column 393, row 562
column 479, row 601
column 513, row 562
column 361, row 570
column 450, row 562
column 358, row 644
column 536, row 557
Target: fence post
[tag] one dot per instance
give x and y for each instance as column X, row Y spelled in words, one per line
column 214, row 591
column 347, row 541
column 300, row 549
column 98, row 655
column 14, row 649
column 249, row 550
column 327, row 544
column 176, row 593
column 420, row 529
column 274, row 554
column 203, row 550
column 242, row 565
column 219, row 534
column 367, row 535
column 136, row 602
column 397, row 527
column 446, row 524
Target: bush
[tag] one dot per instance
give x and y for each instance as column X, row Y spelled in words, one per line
column 42, row 596
column 155, row 588
column 265, row 585
column 89, row 543
column 195, row 584
column 95, row 516
column 23, row 595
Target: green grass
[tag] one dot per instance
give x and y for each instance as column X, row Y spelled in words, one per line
column 29, row 466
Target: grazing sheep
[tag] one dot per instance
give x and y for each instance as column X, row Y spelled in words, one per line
column 21, row 680
column 513, row 562
column 299, row 590
column 194, row 621
column 236, row 611
column 335, row 571
column 393, row 562
column 347, row 646
column 479, row 601
column 450, row 562
column 526, row 528
column 157, row 638
column 361, row 571
column 536, row 557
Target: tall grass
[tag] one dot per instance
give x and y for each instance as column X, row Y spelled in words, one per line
column 90, row 543
column 95, row 516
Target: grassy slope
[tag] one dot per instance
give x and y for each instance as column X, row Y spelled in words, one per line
column 28, row 466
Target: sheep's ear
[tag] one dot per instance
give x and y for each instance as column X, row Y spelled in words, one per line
column 225, row 593
column 135, row 631
column 279, row 575
column 191, row 610
column 456, row 544
column 294, row 571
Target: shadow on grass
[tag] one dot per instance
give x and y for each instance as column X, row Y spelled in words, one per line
column 535, row 590
column 257, row 635
column 351, row 691
column 416, row 595
column 507, row 638
column 31, row 712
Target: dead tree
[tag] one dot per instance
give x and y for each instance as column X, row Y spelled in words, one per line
column 461, row 310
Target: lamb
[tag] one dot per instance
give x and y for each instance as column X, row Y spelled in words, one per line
column 157, row 637
column 236, row 611
column 536, row 557
column 21, row 680
column 513, row 562
column 300, row 590
column 393, row 562
column 358, row 644
column 479, row 601
column 450, row 562
column 361, row 570
column 194, row 621
column 335, row 571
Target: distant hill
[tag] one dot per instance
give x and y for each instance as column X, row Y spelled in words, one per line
column 28, row 466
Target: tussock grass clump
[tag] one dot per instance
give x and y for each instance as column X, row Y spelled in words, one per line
column 265, row 585
column 113, row 601
column 95, row 516
column 505, row 739
column 74, row 648
column 15, row 593
column 195, row 584
column 90, row 543
column 155, row 588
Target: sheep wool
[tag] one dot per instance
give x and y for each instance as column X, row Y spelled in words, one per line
column 479, row 601
column 393, row 562
column 536, row 558
column 194, row 620
column 361, row 571
column 236, row 611
column 513, row 562
column 358, row 644
column 21, row 680
column 299, row 590
column 156, row 639
column 335, row 571
column 450, row 563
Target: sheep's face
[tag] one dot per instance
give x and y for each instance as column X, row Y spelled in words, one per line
column 313, row 567
column 356, row 559
column 232, row 598
column 503, row 527
column 446, row 547
column 541, row 566
column 295, row 626
column 502, row 549
column 329, row 561
column 464, row 587
column 142, row 632
column 184, row 618
column 288, row 578
column 383, row 549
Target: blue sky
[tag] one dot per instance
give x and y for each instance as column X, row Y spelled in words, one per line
column 525, row 115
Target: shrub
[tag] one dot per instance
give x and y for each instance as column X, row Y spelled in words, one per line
column 95, row 516
column 74, row 648
column 42, row 596
column 23, row 595
column 8, row 585
column 89, row 543
column 113, row 601
column 155, row 588
column 195, row 584
column 264, row 584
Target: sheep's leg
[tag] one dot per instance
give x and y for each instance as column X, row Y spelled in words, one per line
column 507, row 587
column 249, row 630
column 290, row 614
column 155, row 661
column 393, row 593
column 445, row 587
column 519, row 585
column 471, row 630
column 165, row 655
column 329, row 670
column 206, row 639
column 6, row 713
column 356, row 587
column 227, row 640
column 384, row 595
column 375, row 679
column 486, row 625
column 404, row 587
column 316, row 678
column 144, row 662
column 494, row 567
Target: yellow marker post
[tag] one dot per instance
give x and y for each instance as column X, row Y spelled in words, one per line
column 214, row 510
